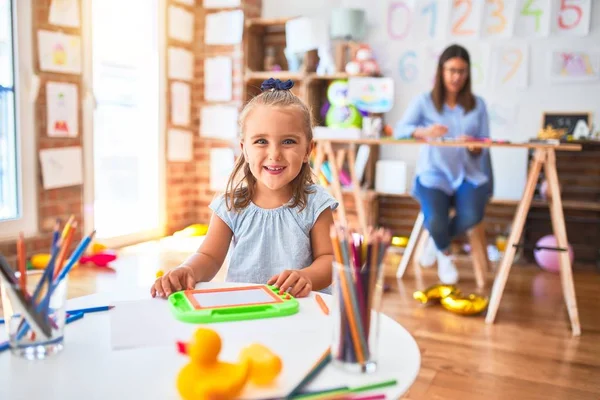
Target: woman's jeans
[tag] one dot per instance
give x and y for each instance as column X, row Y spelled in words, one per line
column 468, row 201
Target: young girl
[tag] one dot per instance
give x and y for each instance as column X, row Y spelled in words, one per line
column 278, row 219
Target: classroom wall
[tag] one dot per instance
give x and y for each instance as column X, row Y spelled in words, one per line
column 53, row 203
column 515, row 114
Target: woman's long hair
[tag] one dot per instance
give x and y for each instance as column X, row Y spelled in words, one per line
column 241, row 185
column 438, row 95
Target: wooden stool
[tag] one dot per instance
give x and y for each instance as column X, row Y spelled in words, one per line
column 418, row 239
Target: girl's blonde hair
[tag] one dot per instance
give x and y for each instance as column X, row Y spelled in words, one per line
column 241, row 185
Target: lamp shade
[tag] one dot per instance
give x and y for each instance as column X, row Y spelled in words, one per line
column 348, row 23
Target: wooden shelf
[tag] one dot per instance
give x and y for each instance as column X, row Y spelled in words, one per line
column 332, row 77
column 266, row 22
column 281, row 75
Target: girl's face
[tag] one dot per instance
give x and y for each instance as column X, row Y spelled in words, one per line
column 455, row 72
column 275, row 145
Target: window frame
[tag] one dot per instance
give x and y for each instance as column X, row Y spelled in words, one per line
column 26, row 88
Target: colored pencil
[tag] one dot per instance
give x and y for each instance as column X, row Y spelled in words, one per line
column 322, row 304
column 90, row 310
column 314, row 371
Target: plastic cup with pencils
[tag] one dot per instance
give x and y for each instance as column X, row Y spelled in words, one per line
column 357, row 292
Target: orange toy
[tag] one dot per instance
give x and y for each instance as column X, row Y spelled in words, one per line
column 207, row 378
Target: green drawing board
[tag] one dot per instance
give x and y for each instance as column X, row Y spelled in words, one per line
column 204, row 306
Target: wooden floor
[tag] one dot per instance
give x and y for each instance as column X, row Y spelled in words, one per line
column 528, row 353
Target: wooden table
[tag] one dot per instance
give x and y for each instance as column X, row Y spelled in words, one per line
column 544, row 157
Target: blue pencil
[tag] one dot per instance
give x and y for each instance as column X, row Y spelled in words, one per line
column 90, row 309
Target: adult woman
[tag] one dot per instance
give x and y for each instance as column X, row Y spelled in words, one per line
column 449, row 177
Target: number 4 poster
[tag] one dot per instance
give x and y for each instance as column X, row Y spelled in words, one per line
column 573, row 17
column 533, row 18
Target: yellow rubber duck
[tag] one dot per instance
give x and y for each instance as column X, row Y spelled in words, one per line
column 207, row 378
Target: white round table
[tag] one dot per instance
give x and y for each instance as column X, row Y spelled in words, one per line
column 130, row 352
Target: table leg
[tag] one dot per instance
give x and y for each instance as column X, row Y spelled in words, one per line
column 515, row 234
column 335, row 181
column 410, row 246
column 358, row 198
column 560, row 232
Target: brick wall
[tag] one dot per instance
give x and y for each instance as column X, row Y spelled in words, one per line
column 187, row 183
column 188, row 186
column 54, row 203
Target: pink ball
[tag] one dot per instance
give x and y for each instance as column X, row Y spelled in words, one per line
column 550, row 259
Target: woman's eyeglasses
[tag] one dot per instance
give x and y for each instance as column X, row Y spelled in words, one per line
column 453, row 71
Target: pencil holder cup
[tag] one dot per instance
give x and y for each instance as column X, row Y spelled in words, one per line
column 36, row 329
column 355, row 313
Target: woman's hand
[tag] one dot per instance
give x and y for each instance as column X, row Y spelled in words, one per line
column 175, row 280
column 298, row 284
column 431, row 132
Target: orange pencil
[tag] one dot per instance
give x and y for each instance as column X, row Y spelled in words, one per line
column 60, row 260
column 322, row 304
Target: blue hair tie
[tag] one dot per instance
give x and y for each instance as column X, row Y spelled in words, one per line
column 276, row 84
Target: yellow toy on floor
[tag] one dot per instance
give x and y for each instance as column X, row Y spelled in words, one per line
column 452, row 299
column 207, row 378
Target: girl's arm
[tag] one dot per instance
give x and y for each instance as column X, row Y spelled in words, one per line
column 317, row 275
column 209, row 258
column 319, row 272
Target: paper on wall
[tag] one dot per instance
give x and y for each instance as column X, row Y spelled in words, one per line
column 64, row 13
column 181, row 98
column 181, row 24
column 61, row 167
column 225, row 28
column 221, row 3
column 219, row 122
column 181, row 64
column 218, row 79
column 180, row 145
column 510, row 66
column 62, row 107
column 59, row 52
column 222, row 161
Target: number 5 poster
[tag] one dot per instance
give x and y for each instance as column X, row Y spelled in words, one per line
column 573, row 17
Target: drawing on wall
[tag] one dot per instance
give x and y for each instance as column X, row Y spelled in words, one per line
column 59, row 52
column 574, row 66
column 61, row 112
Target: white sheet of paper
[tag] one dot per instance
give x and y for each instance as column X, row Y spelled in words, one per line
column 181, row 24
column 61, row 109
column 64, row 13
column 180, row 145
column 218, row 79
column 574, row 66
column 59, row 52
column 305, row 33
column 181, row 64
column 222, row 161
column 510, row 66
column 61, row 167
column 499, row 19
column 181, row 99
column 465, row 19
column 219, row 122
column 573, row 18
column 221, row 3
column 533, row 18
column 147, row 318
column 224, row 28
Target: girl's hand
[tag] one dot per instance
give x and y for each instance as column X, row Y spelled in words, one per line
column 293, row 281
column 175, row 280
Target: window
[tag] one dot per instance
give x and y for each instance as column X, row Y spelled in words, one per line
column 17, row 144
